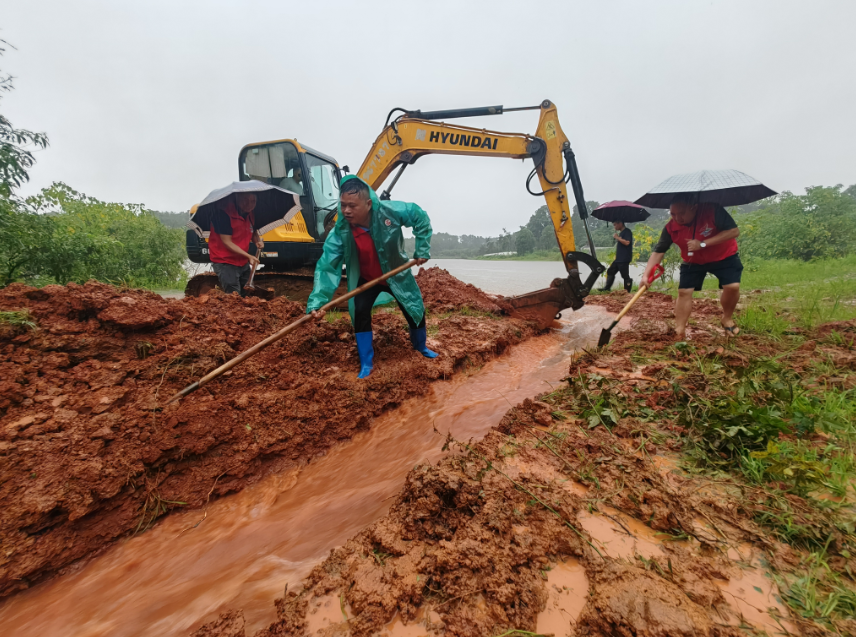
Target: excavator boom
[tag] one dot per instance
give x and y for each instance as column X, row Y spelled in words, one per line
column 416, row 133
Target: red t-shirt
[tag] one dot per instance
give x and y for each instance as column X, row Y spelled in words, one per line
column 366, row 254
column 241, row 232
column 710, row 220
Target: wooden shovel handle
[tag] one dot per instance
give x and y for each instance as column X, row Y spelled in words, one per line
column 658, row 272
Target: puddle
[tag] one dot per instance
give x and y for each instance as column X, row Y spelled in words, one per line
column 324, row 612
column 567, row 592
column 621, row 541
column 753, row 595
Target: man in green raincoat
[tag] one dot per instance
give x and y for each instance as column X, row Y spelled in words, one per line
column 367, row 238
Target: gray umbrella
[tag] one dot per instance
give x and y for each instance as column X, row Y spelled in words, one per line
column 723, row 187
column 274, row 206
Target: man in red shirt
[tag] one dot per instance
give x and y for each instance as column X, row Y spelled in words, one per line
column 707, row 238
column 229, row 241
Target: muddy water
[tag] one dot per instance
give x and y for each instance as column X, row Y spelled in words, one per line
column 515, row 277
column 250, row 545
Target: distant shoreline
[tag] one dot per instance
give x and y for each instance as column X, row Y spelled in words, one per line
column 541, row 255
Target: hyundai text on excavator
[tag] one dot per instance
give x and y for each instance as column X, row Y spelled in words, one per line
column 291, row 250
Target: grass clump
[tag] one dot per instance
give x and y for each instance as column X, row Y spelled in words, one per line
column 18, row 319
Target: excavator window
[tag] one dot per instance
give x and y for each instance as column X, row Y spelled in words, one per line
column 324, row 179
column 276, row 164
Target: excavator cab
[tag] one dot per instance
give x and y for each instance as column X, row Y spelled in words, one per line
column 291, row 250
column 310, row 174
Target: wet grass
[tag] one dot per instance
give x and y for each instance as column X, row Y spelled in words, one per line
column 18, row 319
column 782, row 297
column 768, row 416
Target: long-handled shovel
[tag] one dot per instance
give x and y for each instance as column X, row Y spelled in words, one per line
column 252, row 290
column 606, row 334
column 273, row 338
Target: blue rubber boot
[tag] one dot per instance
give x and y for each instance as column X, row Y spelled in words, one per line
column 366, row 351
column 418, row 337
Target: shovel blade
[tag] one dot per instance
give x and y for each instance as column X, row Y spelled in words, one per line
column 605, row 335
column 262, row 293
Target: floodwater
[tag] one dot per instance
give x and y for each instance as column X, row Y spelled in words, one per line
column 510, row 278
column 249, row 546
column 506, row 278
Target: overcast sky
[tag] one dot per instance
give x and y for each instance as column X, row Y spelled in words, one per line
column 150, row 102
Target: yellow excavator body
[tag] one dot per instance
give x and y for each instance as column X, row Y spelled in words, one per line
column 291, row 251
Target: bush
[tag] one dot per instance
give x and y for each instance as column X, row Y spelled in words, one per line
column 63, row 235
column 818, row 225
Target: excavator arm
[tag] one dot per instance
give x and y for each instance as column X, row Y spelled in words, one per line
column 416, row 133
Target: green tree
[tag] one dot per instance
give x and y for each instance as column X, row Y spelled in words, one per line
column 547, row 239
column 110, row 242
column 16, row 144
column 525, row 241
column 24, row 239
column 820, row 224
column 23, row 235
column 539, row 220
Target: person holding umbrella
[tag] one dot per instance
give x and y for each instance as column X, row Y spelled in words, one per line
column 705, row 234
column 233, row 217
column 623, row 255
column 229, row 242
column 620, row 212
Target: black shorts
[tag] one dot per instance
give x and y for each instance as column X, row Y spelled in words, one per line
column 727, row 271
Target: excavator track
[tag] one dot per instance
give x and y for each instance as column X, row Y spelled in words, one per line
column 295, row 285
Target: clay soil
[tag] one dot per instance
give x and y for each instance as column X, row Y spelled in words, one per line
column 91, row 453
column 471, row 545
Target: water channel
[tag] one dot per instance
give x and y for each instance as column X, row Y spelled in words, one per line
column 173, row 578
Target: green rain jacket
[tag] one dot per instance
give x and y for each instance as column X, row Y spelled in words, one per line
column 387, row 219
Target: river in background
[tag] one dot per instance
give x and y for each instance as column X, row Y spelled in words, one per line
column 507, row 278
column 510, row 278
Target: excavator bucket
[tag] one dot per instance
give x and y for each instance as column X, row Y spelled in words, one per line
column 543, row 306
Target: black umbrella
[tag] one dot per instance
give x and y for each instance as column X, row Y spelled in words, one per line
column 723, row 187
column 274, row 206
column 620, row 210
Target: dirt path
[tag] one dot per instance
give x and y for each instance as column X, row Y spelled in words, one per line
column 91, row 454
column 571, row 517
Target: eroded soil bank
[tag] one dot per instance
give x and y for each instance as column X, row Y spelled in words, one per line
column 90, row 452
column 573, row 515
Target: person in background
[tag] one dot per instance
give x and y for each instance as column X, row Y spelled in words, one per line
column 707, row 237
column 294, row 183
column 232, row 229
column 623, row 256
column 367, row 238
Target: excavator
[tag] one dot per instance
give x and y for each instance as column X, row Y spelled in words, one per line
column 291, row 250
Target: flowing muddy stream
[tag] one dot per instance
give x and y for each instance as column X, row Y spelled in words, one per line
column 249, row 545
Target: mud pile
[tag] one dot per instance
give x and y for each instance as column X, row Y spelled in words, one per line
column 445, row 293
column 653, row 306
column 90, row 452
column 556, row 524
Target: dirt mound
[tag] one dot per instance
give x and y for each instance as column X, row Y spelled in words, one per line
column 653, row 305
column 444, row 293
column 90, row 451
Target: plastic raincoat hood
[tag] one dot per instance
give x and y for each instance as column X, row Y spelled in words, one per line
column 387, row 219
